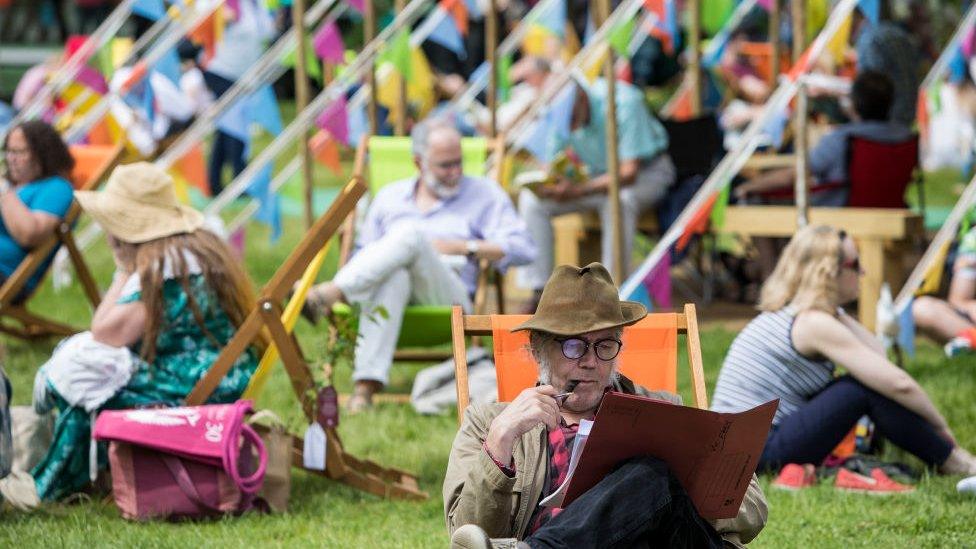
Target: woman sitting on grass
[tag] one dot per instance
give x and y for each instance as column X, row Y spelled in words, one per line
column 177, row 298
column 792, row 350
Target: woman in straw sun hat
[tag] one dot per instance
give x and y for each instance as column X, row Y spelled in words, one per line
column 177, row 298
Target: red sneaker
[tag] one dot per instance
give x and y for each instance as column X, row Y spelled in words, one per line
column 794, row 476
column 878, row 483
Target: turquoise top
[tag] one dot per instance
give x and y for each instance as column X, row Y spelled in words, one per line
column 51, row 195
column 639, row 134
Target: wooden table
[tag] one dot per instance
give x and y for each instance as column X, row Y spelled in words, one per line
column 882, row 236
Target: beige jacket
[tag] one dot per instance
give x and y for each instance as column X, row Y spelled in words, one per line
column 476, row 491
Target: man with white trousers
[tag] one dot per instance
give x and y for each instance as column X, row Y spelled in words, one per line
column 420, row 243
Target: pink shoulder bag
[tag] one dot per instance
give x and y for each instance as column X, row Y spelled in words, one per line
column 183, row 462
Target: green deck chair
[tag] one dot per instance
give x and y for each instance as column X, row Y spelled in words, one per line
column 424, row 326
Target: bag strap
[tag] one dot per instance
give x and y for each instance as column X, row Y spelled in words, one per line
column 233, row 447
column 183, row 480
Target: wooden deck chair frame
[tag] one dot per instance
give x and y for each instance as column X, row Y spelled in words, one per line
column 266, row 318
column 486, row 275
column 29, row 325
column 463, row 325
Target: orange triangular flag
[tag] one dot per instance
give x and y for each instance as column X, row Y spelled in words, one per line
column 459, row 12
column 326, row 151
column 698, row 223
column 193, row 168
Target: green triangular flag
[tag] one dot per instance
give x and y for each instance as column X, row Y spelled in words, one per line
column 718, row 210
column 397, row 52
column 312, row 65
column 103, row 60
column 715, row 13
column 620, row 36
column 504, row 80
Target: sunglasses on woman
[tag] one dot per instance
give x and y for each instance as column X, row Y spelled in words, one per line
column 575, row 348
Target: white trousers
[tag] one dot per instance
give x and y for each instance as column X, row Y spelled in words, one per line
column 399, row 269
column 653, row 181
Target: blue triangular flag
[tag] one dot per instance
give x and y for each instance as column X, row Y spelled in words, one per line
column 358, row 123
column 642, row 296
column 269, row 212
column 871, row 10
column 561, row 111
column 906, row 330
column 234, row 122
column 957, row 66
column 447, row 34
column 263, row 107
column 169, row 66
column 150, row 9
column 671, row 22
column 474, row 10
column 553, row 18
column 148, row 100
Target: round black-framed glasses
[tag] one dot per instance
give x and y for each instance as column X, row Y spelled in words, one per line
column 575, row 348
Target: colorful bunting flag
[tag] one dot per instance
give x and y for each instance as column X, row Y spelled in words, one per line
column 871, row 10
column 358, row 123
column 717, row 218
column 326, row 151
column 957, row 66
column 312, row 66
column 169, row 66
column 714, row 15
column 335, row 120
column 358, row 5
column 906, row 329
column 150, row 9
column 817, row 12
column 697, row 224
column 398, row 53
column 92, row 79
column 193, row 167
column 269, row 211
column 837, row 46
column 328, row 43
column 459, row 12
column 658, row 283
column 446, row 33
column 474, row 10
column 264, row 111
column 553, row 18
column 933, row 278
column 620, row 36
column 504, row 77
column 967, row 42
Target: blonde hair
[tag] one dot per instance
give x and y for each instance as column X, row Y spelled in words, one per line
column 806, row 273
column 221, row 270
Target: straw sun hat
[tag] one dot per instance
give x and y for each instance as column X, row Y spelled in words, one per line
column 580, row 300
column 139, row 204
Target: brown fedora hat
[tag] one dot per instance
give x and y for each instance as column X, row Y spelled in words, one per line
column 579, row 300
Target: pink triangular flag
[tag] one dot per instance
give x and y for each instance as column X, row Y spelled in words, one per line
column 335, row 120
column 658, row 283
column 766, row 4
column 328, row 43
column 967, row 43
column 92, row 79
column 357, row 5
column 236, row 241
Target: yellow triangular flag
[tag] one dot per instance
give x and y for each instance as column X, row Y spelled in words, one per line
column 837, row 46
column 933, row 278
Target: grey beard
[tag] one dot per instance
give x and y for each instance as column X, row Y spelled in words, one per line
column 440, row 190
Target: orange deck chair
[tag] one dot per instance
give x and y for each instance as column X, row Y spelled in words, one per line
column 92, row 164
column 649, row 356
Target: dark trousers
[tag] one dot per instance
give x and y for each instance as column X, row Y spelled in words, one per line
column 226, row 148
column 640, row 504
column 809, row 434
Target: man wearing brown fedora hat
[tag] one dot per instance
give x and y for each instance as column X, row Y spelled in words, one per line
column 507, row 457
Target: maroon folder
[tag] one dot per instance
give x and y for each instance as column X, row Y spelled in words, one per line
column 712, row 454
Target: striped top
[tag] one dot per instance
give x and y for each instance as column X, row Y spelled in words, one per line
column 762, row 364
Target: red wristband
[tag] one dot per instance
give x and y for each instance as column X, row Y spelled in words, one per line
column 509, row 470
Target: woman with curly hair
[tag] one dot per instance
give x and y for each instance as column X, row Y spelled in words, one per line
column 34, row 192
column 177, row 298
column 792, row 352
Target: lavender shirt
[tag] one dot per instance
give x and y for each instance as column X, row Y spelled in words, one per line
column 480, row 211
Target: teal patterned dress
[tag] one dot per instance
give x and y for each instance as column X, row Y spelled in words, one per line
column 183, row 354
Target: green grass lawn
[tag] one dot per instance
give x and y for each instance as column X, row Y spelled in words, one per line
column 325, row 513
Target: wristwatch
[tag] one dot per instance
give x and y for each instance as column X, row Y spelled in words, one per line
column 471, row 246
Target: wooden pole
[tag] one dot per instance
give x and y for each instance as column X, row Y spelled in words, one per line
column 301, row 101
column 694, row 49
column 802, row 184
column 613, row 160
column 369, row 32
column 774, row 40
column 798, row 13
column 400, row 123
column 491, row 47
